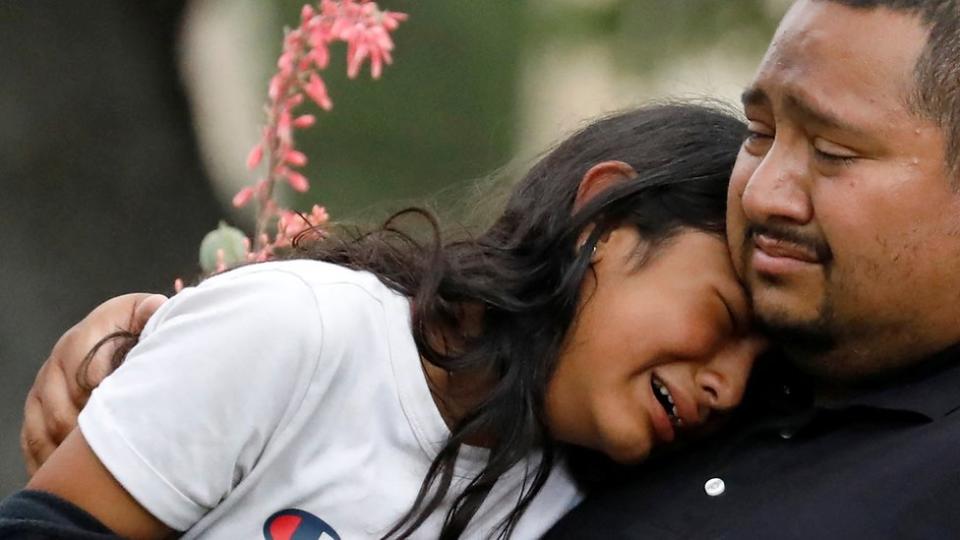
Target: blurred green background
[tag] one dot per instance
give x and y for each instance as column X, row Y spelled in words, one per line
column 124, row 127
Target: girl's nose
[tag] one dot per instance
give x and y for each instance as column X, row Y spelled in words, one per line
column 723, row 380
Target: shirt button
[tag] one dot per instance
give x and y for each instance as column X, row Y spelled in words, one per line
column 786, row 434
column 714, row 487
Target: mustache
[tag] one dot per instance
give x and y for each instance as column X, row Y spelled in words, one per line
column 791, row 235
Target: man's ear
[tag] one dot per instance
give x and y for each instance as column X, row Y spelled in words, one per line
column 599, row 178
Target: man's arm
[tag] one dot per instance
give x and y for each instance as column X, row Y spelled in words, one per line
column 65, row 380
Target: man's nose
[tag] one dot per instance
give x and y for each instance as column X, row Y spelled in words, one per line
column 777, row 191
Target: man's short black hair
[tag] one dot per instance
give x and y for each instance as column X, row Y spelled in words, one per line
column 937, row 92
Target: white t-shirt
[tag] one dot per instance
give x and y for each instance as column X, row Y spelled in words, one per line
column 286, row 399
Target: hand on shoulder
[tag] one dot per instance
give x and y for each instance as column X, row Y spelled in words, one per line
column 70, row 373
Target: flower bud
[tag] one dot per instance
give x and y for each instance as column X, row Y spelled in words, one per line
column 254, row 157
column 243, row 197
column 304, row 121
column 295, row 158
column 225, row 240
column 297, row 181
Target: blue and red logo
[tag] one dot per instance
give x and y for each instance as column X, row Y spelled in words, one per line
column 292, row 524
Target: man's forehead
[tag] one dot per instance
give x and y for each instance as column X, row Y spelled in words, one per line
column 826, row 55
column 854, row 36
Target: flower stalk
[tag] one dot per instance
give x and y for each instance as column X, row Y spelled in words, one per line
column 366, row 30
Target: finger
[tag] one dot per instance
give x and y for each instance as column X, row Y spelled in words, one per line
column 35, row 444
column 60, row 410
column 83, row 378
column 126, row 313
column 66, row 370
column 143, row 310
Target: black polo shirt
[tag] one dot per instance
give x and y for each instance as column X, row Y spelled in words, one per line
column 885, row 464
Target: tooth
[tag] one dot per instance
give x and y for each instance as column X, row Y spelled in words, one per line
column 674, row 411
column 669, row 398
column 664, row 391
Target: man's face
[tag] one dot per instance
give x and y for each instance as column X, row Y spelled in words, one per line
column 843, row 219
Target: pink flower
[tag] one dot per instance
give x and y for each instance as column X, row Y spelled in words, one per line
column 297, row 181
column 318, row 215
column 304, row 121
column 294, row 101
column 285, row 128
column 295, row 158
column 243, row 197
column 276, row 87
column 292, row 43
column 318, row 92
column 368, row 41
column 285, row 63
column 254, row 157
column 329, row 8
column 391, row 19
column 320, row 56
column 356, row 54
column 306, row 52
column 291, row 224
column 306, row 13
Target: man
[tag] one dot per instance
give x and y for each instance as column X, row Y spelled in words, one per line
column 844, row 224
column 844, row 216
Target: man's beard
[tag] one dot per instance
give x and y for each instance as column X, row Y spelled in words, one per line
column 807, row 344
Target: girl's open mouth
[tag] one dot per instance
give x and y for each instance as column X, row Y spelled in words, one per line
column 662, row 393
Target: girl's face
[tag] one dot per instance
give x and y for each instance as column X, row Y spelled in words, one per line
column 655, row 348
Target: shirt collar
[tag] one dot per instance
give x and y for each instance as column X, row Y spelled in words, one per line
column 931, row 389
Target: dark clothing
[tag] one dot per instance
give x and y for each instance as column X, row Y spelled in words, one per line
column 885, row 464
column 34, row 515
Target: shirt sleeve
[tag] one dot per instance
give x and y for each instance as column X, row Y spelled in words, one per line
column 35, row 515
column 219, row 370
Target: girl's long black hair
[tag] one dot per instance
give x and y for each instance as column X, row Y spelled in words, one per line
column 525, row 273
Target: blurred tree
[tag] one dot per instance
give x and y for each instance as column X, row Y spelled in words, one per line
column 650, row 32
column 646, row 34
column 444, row 112
column 103, row 192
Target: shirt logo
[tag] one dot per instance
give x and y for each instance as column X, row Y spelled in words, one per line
column 293, row 524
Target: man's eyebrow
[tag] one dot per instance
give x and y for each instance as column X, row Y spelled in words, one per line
column 800, row 107
column 821, row 117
